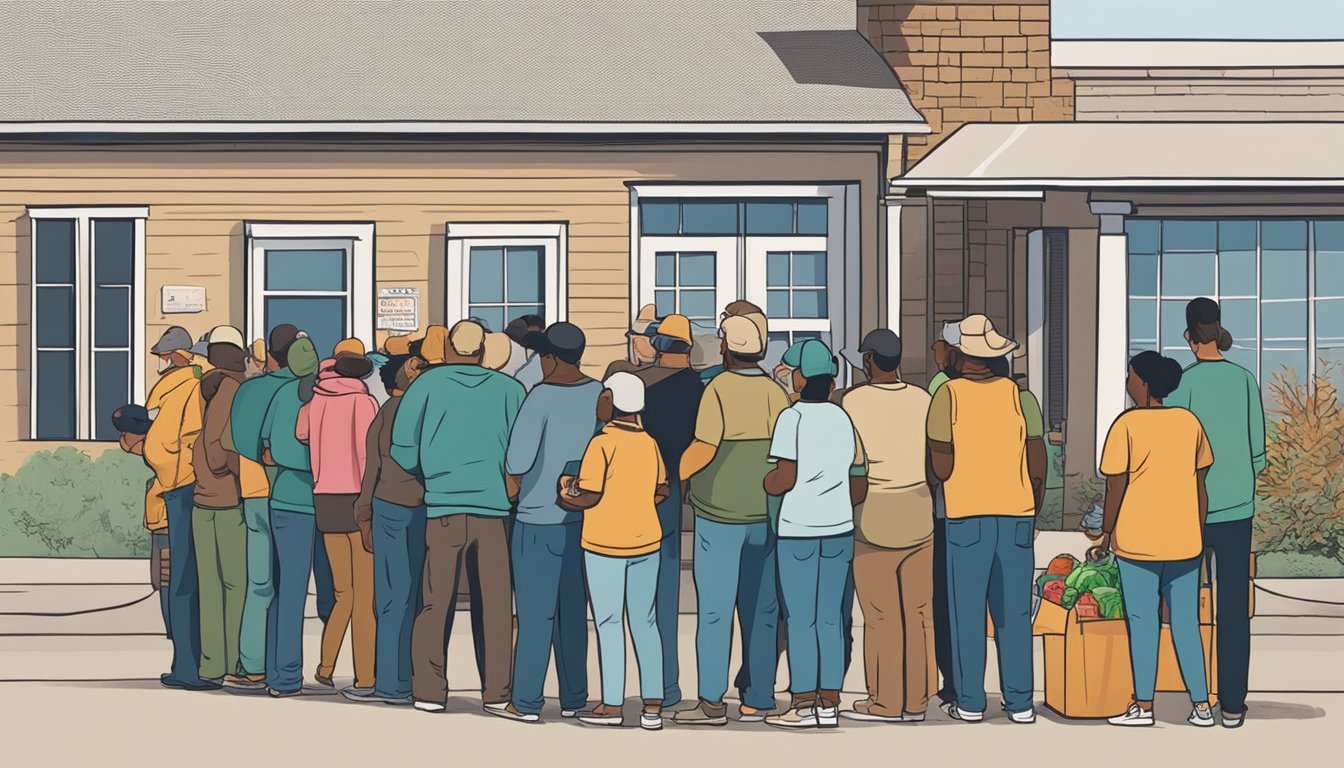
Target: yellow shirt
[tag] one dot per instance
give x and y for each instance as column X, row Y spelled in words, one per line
column 1161, row 450
column 984, row 422
column 623, row 464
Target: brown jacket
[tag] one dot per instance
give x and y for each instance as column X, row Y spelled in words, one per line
column 384, row 479
column 217, row 468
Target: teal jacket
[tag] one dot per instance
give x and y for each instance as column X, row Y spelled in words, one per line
column 1226, row 399
column 452, row 431
column 292, row 489
column 249, row 411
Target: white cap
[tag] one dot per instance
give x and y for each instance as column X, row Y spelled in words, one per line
column 627, row 391
column 226, row 334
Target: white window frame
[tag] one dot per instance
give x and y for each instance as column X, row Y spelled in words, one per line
column 83, row 303
column 357, row 239
column 552, row 237
column 756, row 281
column 725, row 266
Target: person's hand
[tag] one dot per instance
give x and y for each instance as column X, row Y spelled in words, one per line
column 266, row 457
column 568, row 486
column 366, row 534
column 130, row 443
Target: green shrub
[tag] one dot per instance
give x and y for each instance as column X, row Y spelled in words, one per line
column 1295, row 565
column 63, row 503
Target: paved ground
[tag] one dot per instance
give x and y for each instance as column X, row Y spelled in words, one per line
column 81, row 689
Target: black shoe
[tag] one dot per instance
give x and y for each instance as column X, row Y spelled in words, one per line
column 168, row 681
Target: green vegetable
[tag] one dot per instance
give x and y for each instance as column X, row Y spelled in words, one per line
column 1070, row 596
column 1111, row 602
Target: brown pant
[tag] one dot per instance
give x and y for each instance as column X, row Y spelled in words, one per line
column 352, row 582
column 895, row 591
column 448, row 539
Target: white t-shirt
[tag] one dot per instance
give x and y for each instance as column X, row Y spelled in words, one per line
column 821, row 439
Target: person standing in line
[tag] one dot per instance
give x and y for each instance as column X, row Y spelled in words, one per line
column 250, row 405
column 132, row 422
column 176, row 400
column 1226, row 399
column 893, row 536
column 292, row 517
column 734, row 565
column 819, row 472
column 641, row 352
column 620, row 482
column 756, row 315
column 1155, row 460
column 452, row 431
column 993, row 475
column 553, row 428
column 528, row 372
column 334, row 424
column 218, row 531
column 390, row 515
column 672, row 395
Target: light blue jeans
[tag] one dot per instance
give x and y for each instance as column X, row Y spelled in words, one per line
column 1177, row 583
column 990, row 561
column 398, row 563
column 626, row 584
column 812, row 576
column 253, row 648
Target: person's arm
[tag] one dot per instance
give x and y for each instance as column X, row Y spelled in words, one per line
column 783, row 454
column 858, row 473
column 1116, row 485
column 708, row 434
column 1200, row 475
column 1115, row 466
column 1037, row 464
column 301, row 426
column 216, row 422
column 661, row 491
column 244, row 426
column 938, row 428
column 524, row 443
column 408, row 428
column 1257, row 422
column 782, row 478
column 373, row 465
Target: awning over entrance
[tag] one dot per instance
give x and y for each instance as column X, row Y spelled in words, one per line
column 1131, row 155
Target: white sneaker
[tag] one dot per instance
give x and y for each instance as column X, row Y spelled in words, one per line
column 1201, row 719
column 430, row 706
column 1135, row 716
column 651, row 721
column 795, row 718
column 828, row 717
column 957, row 713
column 1025, row 717
column 569, row 714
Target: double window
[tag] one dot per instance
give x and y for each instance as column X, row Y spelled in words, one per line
column 497, row 273
column 87, row 319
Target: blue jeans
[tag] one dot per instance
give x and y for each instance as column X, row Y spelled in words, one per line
column 254, row 647
column 159, row 541
column 990, row 560
column 813, row 575
column 669, row 593
column 548, row 590
column 294, row 534
column 617, row 585
column 398, row 562
column 735, row 567
column 1177, row 583
column 184, row 599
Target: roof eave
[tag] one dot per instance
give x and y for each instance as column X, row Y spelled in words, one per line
column 452, row 128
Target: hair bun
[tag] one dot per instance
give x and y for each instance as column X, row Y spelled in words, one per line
column 1224, row 340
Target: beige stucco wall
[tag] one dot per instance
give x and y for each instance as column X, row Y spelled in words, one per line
column 200, row 196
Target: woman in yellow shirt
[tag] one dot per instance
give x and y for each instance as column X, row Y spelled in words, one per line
column 1155, row 460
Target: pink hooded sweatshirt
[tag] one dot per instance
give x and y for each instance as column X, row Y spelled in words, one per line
column 335, row 425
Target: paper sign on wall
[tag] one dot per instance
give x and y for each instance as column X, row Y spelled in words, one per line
column 399, row 309
column 178, row 299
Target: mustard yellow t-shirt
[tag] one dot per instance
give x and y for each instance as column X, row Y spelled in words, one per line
column 623, row 464
column 1161, row 450
column 984, row 421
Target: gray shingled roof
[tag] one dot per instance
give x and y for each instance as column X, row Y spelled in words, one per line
column 451, row 61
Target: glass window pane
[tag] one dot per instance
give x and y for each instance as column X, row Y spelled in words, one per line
column 1242, row 355
column 486, row 276
column 1236, row 273
column 1142, row 274
column 1236, row 235
column 809, row 303
column 491, row 318
column 113, row 252
column 777, row 304
column 1330, row 340
column 1239, row 320
column 697, row 304
column 1187, row 274
column 777, row 336
column 1329, row 260
column 1142, row 234
column 659, row 217
column 1172, row 324
column 1182, row 355
column 708, row 218
column 55, row 317
column 696, row 269
column 777, row 269
column 1280, row 363
column 1283, row 320
column 316, row 270
column 1142, row 324
column 56, row 396
column 664, row 303
column 111, row 390
column 809, row 268
column 55, row 251
column 665, row 269
column 525, row 273
column 773, row 218
column 1283, row 235
column 1188, row 235
column 516, row 311
column 1283, row 274
column 323, row 317
column 812, row 217
column 112, row 317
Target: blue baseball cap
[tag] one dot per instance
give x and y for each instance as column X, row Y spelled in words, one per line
column 812, row 357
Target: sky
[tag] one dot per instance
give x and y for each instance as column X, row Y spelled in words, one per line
column 1197, row 19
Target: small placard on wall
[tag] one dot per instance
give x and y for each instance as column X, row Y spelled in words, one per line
column 178, row 299
column 399, row 309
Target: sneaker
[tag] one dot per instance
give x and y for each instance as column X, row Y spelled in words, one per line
column 1135, row 716
column 168, row 681
column 907, row 717
column 651, row 721
column 507, row 711
column 828, row 717
column 957, row 713
column 604, row 715
column 245, row 682
column 748, row 714
column 797, row 717
column 703, row 713
column 354, row 693
column 1025, row 717
column 430, row 706
column 946, row 707
column 1202, row 718
column 863, row 712
column 278, row 694
column 1233, row 720
column 324, row 680
column 370, row 696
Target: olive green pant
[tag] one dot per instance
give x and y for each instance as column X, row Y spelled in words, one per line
column 220, row 540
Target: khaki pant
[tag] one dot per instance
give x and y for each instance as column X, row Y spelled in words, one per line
column 895, row 592
column 448, row 539
column 352, row 579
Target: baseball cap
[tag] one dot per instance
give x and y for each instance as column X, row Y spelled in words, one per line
column 398, row 345
column 627, row 391
column 497, row 350
column 742, row 335
column 675, row 327
column 348, row 347
column 175, row 339
column 467, row 338
column 811, row 357
column 282, row 336
column 564, row 340
column 882, row 342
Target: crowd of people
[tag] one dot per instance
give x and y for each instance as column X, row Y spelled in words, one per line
column 491, row 463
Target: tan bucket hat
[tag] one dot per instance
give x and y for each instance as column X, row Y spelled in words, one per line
column 980, row 339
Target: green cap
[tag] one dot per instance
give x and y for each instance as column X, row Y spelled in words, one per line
column 811, row 357
column 302, row 357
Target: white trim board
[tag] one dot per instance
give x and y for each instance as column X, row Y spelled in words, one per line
column 262, row 128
